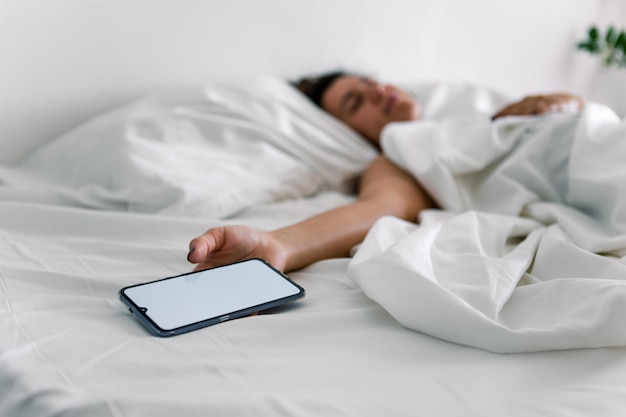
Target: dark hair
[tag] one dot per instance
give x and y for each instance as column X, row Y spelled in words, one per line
column 315, row 87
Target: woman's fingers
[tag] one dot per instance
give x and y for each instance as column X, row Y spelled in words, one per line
column 202, row 246
column 534, row 105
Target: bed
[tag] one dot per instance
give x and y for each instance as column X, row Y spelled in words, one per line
column 113, row 161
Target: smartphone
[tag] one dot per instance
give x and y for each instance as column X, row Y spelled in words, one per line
column 180, row 304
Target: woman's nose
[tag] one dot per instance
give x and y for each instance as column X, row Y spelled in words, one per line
column 375, row 92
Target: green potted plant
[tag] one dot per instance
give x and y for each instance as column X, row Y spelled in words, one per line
column 610, row 46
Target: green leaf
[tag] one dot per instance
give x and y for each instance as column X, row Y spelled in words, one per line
column 609, row 60
column 620, row 43
column 590, row 47
column 610, row 37
column 611, row 47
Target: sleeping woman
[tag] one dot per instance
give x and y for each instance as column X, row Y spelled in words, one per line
column 384, row 190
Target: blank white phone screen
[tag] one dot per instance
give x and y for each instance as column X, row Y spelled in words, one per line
column 187, row 299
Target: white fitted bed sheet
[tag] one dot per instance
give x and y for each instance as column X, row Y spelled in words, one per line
column 70, row 348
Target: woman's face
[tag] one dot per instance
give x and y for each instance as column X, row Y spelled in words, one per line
column 367, row 106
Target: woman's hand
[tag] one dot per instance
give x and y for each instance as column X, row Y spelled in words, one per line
column 535, row 105
column 228, row 244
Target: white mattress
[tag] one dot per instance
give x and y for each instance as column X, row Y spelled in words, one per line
column 70, row 348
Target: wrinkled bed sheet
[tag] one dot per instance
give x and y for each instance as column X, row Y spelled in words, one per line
column 528, row 251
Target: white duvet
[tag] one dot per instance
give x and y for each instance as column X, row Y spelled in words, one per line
column 528, row 253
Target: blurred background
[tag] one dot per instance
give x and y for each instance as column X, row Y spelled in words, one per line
column 63, row 61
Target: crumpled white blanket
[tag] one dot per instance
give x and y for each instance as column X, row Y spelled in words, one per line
column 528, row 251
column 207, row 151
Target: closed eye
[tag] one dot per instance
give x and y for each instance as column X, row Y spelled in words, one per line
column 354, row 103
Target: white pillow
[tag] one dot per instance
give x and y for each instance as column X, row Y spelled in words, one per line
column 210, row 151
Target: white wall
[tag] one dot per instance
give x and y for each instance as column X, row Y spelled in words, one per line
column 62, row 61
column 517, row 47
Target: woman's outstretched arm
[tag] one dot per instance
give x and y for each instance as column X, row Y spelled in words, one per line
column 385, row 189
